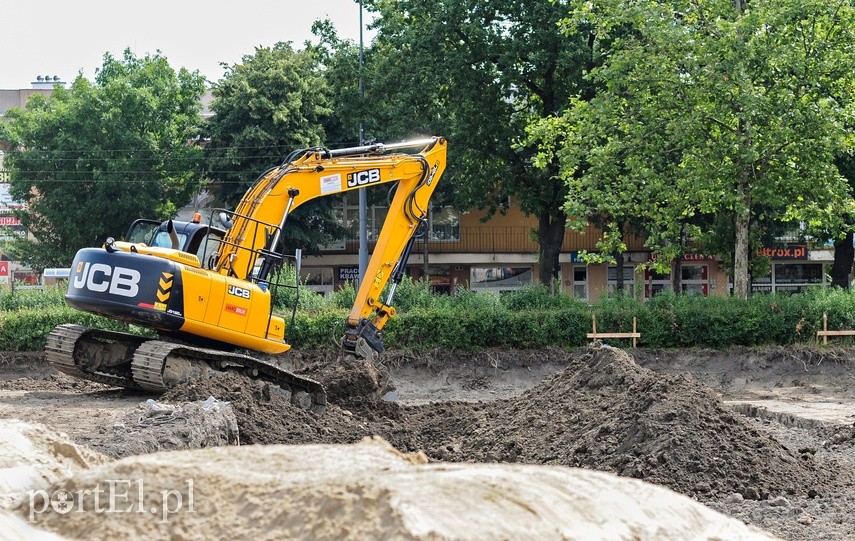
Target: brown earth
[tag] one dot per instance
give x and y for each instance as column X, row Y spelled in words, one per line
column 670, row 418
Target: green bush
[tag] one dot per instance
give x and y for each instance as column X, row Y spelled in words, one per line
column 11, row 300
column 410, row 295
column 529, row 318
column 343, row 298
column 538, row 297
column 318, row 330
column 27, row 329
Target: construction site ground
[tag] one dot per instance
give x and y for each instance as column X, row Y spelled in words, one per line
column 766, row 436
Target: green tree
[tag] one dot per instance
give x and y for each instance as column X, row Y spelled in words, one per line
column 478, row 73
column 716, row 108
column 88, row 160
column 272, row 103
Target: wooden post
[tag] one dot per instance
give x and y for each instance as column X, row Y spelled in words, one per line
column 825, row 328
column 634, row 332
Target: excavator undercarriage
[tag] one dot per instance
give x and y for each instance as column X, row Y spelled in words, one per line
column 134, row 362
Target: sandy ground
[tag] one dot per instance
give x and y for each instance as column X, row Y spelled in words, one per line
column 766, row 436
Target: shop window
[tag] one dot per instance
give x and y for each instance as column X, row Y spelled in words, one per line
column 318, row 279
column 628, row 278
column 580, row 282
column 790, row 278
column 25, row 278
column 499, row 278
column 316, row 276
column 656, row 282
column 694, row 279
column 798, row 273
column 693, row 272
column 439, row 277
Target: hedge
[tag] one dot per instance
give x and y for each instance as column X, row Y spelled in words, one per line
column 523, row 320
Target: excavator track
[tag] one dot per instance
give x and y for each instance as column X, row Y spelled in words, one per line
column 158, row 366
column 93, row 354
column 138, row 363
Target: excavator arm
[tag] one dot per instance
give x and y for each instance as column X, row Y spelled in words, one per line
column 252, row 247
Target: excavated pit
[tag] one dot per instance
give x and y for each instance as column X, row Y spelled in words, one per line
column 601, row 411
column 717, row 426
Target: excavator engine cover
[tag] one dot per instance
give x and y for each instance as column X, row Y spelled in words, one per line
column 127, row 286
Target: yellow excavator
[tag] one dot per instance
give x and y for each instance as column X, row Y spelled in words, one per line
column 207, row 289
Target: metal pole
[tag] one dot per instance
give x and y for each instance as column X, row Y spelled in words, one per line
column 363, row 196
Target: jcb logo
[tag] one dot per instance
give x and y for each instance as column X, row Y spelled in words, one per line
column 239, row 292
column 362, row 178
column 100, row 277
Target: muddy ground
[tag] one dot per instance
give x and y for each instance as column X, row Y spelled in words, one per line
column 767, row 436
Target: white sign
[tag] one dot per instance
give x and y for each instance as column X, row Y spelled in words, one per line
column 331, row 184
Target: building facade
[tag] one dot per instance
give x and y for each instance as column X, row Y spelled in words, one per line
column 500, row 255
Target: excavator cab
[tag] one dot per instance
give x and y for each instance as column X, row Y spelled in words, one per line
column 191, row 237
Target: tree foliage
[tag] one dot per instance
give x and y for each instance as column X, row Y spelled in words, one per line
column 712, row 109
column 88, row 160
column 272, row 103
column 478, row 73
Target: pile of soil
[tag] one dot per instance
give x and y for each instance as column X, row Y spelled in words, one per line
column 605, row 412
column 154, row 426
column 602, row 411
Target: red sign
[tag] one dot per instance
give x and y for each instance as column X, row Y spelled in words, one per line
column 236, row 309
column 9, row 220
column 4, row 268
column 793, row 251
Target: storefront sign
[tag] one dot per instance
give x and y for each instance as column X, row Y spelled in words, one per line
column 792, row 251
column 348, row 274
column 688, row 257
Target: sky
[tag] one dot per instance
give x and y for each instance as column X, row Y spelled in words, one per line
column 66, row 38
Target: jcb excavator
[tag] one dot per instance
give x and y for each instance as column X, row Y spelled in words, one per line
column 207, row 290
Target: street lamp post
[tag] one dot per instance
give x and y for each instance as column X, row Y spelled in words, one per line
column 363, row 196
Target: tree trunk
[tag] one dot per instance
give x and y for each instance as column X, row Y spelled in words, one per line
column 677, row 276
column 742, row 245
column 619, row 261
column 844, row 254
column 550, row 237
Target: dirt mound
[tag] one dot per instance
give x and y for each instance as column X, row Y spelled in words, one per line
column 607, row 413
column 602, row 411
column 32, row 457
column 155, row 426
column 265, row 414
